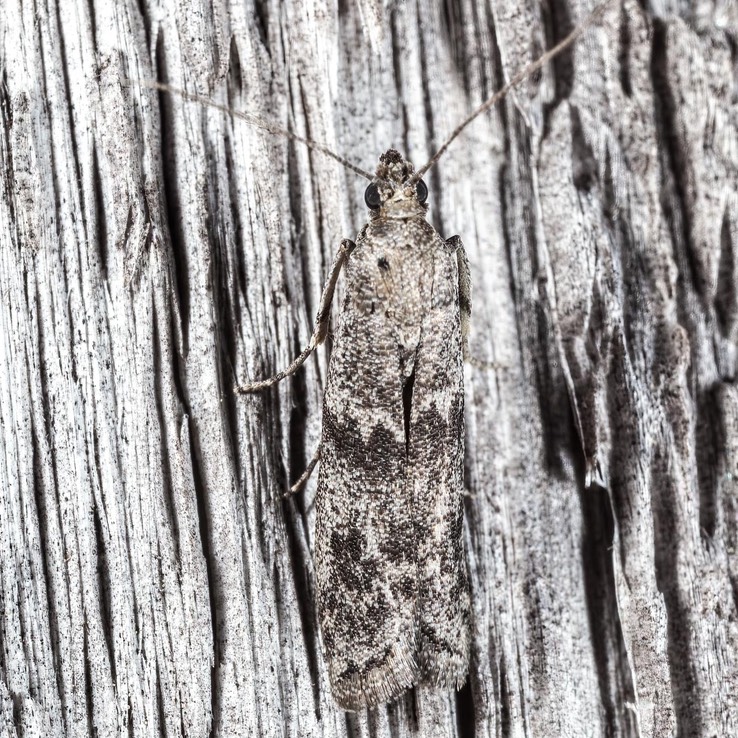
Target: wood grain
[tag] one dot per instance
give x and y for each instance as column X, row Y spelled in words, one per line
column 154, row 252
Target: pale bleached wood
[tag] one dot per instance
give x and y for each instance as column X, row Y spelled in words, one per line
column 154, row 252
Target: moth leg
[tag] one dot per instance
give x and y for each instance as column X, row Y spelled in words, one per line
column 321, row 325
column 454, row 244
column 302, row 481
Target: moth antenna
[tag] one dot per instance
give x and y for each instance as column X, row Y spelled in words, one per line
column 257, row 122
column 514, row 82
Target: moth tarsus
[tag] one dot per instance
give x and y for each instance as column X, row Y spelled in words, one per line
column 263, row 384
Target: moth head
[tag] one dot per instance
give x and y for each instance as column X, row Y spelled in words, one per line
column 392, row 193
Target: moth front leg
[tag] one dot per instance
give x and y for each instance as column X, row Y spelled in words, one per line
column 454, row 244
column 321, row 324
column 324, row 311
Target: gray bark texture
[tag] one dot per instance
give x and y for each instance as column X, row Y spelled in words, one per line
column 154, row 252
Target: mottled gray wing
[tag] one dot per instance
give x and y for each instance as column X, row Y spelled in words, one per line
column 366, row 574
column 437, row 478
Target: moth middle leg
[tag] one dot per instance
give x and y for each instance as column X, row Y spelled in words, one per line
column 319, row 331
column 305, row 476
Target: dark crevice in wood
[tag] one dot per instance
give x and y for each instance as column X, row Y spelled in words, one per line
column 17, row 712
column 608, row 645
column 708, row 459
column 6, row 151
column 161, row 705
column 667, row 541
column 65, row 67
column 625, row 41
column 101, row 237
column 556, row 24
column 561, row 25
column 180, row 265
column 633, row 281
column 295, row 514
column 496, row 78
column 178, row 367
column 299, row 457
column 397, row 727
column 180, row 311
column 296, row 527
column 410, row 699
column 327, row 250
column 44, row 512
column 585, row 173
column 352, row 724
column 215, row 595
column 130, row 719
column 240, row 281
column 261, row 18
column 622, row 481
column 93, row 21
column 233, row 288
column 397, row 69
column 161, row 371
column 103, row 569
column 506, row 705
column 434, row 184
column 234, row 75
column 224, row 303
column 372, row 724
column 299, row 253
column 88, row 683
column 533, row 320
column 304, row 596
column 452, row 20
column 251, row 627
column 675, row 166
column 465, row 712
column 299, row 248
column 557, row 420
column 726, row 295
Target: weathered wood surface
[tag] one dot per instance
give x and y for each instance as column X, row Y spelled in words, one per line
column 154, row 252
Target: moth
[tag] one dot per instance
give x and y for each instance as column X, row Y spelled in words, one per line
column 390, row 572
column 392, row 589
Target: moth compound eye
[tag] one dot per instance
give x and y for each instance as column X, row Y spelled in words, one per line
column 371, row 197
column 422, row 191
